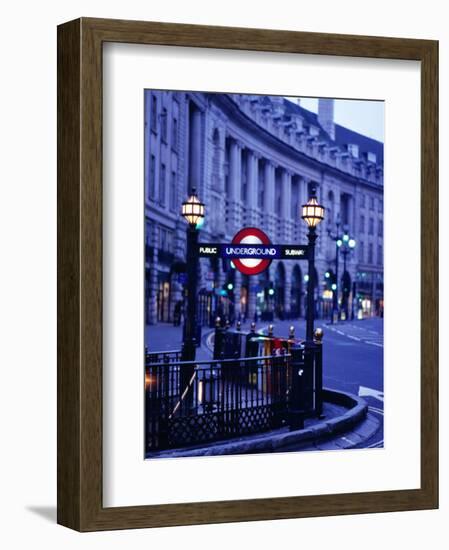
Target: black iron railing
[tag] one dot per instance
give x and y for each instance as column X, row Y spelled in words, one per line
column 168, row 356
column 243, row 391
column 221, row 399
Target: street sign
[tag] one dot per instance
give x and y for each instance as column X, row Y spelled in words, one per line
column 271, row 252
column 252, row 252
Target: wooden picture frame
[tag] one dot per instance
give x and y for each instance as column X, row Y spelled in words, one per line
column 80, row 351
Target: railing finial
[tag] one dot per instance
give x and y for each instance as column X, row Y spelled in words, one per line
column 318, row 335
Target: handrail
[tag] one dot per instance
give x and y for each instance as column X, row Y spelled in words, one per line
column 220, row 361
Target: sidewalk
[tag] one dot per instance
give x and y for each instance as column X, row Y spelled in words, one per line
column 166, row 337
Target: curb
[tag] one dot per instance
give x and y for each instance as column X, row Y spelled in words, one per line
column 357, row 412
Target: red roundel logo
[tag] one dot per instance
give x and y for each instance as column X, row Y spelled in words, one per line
column 251, row 266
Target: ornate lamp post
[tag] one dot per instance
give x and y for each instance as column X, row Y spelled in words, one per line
column 193, row 212
column 304, row 360
column 312, row 214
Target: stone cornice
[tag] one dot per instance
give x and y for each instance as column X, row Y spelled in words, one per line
column 250, row 126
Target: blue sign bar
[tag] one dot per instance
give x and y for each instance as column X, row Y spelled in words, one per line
column 256, row 251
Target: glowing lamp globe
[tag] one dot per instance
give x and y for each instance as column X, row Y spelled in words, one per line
column 312, row 212
column 193, row 209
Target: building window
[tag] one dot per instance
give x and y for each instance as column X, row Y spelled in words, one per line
column 371, row 157
column 153, row 122
column 361, row 252
column 344, row 208
column 371, row 226
column 362, row 224
column 362, row 201
column 371, row 203
column 226, row 166
column 295, row 211
column 173, row 191
column 330, row 209
column 148, row 233
column 380, row 228
column 164, row 125
column 381, row 205
column 174, row 134
column 244, row 177
column 353, row 150
column 165, row 240
column 216, row 160
column 261, row 185
column 162, row 185
column 278, row 192
column 379, row 254
column 152, row 182
column 370, row 253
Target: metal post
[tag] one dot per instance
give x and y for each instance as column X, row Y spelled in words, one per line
column 312, row 236
column 296, row 402
column 189, row 343
column 344, row 294
column 218, row 341
column 354, row 298
column 335, row 313
column 318, row 337
column 335, row 295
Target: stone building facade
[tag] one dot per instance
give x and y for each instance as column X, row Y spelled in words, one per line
column 254, row 161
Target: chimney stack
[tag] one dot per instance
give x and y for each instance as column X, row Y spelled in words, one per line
column 326, row 116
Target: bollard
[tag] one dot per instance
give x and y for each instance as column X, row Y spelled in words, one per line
column 291, row 332
column 270, row 330
column 318, row 340
column 253, row 327
column 318, row 335
column 219, row 339
column 296, row 401
column 239, row 326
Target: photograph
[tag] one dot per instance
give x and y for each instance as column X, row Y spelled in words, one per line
column 264, row 274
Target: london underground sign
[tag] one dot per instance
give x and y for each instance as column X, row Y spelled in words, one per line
column 254, row 244
column 252, row 252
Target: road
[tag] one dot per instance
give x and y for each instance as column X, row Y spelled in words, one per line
column 352, row 362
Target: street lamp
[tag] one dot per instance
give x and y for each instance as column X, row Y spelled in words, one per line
column 312, row 213
column 193, row 212
column 338, row 243
column 347, row 246
column 344, row 244
column 192, row 209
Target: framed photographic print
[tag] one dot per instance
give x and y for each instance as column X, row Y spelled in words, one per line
column 247, row 289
